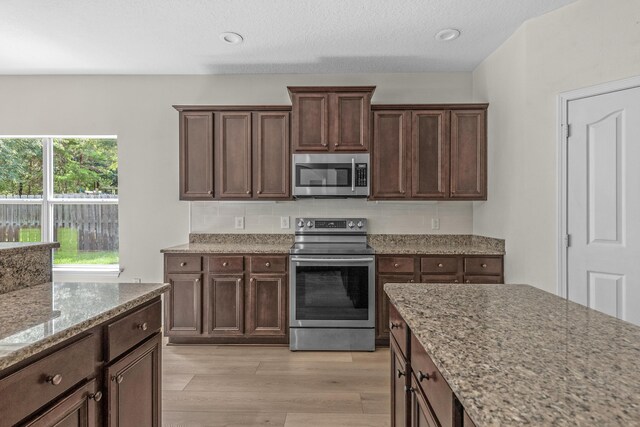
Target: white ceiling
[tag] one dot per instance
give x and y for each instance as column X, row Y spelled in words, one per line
column 281, row 36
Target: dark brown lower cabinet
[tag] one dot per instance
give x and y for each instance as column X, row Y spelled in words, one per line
column 421, row 415
column 133, row 396
column 224, row 299
column 266, row 306
column 399, row 387
column 382, row 309
column 183, row 302
column 76, row 410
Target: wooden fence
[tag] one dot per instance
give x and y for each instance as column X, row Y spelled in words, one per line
column 96, row 225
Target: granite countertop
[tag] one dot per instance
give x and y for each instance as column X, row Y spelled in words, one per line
column 230, row 248
column 38, row 317
column 516, row 355
column 15, row 247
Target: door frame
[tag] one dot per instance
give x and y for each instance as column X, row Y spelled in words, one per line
column 562, row 159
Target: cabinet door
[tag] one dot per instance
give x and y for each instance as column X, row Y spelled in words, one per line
column 272, row 168
column 234, row 155
column 468, row 155
column 310, row 127
column 391, row 156
column 75, row 410
column 421, row 415
column 382, row 313
column 430, row 154
column 183, row 305
column 224, row 302
column 349, row 121
column 399, row 387
column 133, row 398
column 267, row 305
column 196, row 156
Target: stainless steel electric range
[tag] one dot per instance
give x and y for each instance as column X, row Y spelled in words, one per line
column 332, row 286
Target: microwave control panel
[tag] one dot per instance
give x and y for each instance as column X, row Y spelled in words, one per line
column 361, row 174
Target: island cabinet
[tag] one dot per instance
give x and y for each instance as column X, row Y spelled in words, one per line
column 234, row 152
column 429, row 269
column 232, row 298
column 429, row 152
column 330, row 118
column 108, row 375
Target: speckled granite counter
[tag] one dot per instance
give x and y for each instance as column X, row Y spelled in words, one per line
column 38, row 317
column 234, row 243
column 436, row 244
column 516, row 355
column 24, row 264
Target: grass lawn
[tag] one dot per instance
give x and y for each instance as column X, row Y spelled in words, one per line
column 68, row 252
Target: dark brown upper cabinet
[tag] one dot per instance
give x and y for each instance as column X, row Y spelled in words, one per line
column 331, row 118
column 196, row 155
column 234, row 152
column 429, row 152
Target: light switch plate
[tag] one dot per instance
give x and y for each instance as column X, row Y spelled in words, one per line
column 284, row 222
column 239, row 222
column 435, row 223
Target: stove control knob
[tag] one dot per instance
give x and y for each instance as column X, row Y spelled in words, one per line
column 300, row 224
column 309, row 224
column 360, row 224
column 350, row 224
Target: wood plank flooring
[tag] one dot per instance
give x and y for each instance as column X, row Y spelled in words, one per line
column 244, row 386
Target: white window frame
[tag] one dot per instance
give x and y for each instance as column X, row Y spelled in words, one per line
column 49, row 200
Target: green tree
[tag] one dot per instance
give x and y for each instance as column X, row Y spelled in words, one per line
column 85, row 164
column 20, row 167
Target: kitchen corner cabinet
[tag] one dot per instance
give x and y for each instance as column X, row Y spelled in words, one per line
column 244, row 299
column 330, row 119
column 429, row 152
column 234, row 153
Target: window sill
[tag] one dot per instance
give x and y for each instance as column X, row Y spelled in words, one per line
column 106, row 271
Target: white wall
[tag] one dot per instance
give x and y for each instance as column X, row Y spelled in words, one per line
column 138, row 110
column 583, row 44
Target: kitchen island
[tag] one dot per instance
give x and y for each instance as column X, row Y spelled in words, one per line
column 25, row 264
column 510, row 355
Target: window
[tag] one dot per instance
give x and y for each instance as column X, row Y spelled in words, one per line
column 62, row 189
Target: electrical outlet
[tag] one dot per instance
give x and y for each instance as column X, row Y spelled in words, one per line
column 240, row 222
column 435, row 223
column 137, row 280
column 284, row 222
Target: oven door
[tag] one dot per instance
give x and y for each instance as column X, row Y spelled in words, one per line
column 332, row 291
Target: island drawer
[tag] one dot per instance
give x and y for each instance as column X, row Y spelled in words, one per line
column 483, row 265
column 482, row 279
column 37, row 384
column 435, row 388
column 268, row 264
column 183, row 263
column 127, row 332
column 438, row 265
column 395, row 264
column 226, row 264
column 399, row 329
column 439, row 278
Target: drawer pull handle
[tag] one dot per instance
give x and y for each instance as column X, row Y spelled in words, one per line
column 55, row 379
column 411, row 281
column 467, row 281
column 224, row 264
column 267, row 264
column 118, row 379
column 143, row 326
column 484, row 266
column 97, row 396
column 423, row 376
column 394, row 325
column 409, row 389
column 396, row 265
column 400, row 373
column 456, row 281
column 440, row 265
column 182, row 264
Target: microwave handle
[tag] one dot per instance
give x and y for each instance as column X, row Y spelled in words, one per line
column 353, row 174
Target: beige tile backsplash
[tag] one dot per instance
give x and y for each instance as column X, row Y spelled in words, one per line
column 384, row 217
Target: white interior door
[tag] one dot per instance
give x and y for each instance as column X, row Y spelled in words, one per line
column 603, row 203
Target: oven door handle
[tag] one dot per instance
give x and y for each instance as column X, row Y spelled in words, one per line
column 296, row 259
column 353, row 174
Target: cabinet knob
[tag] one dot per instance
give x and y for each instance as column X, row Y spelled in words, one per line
column 440, row 265
column 118, row 379
column 409, row 389
column 248, row 191
column 456, row 281
column 394, row 325
column 54, row 379
column 210, row 192
column 143, row 326
column 411, row 281
column 467, row 281
column 224, row 264
column 182, row 264
column 396, row 265
column 400, row 373
column 97, row 396
column 197, row 280
column 267, row 264
column 259, row 191
column 484, row 266
column 253, row 280
column 423, row 376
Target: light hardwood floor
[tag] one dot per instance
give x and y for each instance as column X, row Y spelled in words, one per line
column 271, row 386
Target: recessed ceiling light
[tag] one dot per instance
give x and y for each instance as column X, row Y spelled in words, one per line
column 231, row 38
column 447, row 34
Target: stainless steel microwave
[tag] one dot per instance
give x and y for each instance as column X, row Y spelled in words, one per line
column 331, row 175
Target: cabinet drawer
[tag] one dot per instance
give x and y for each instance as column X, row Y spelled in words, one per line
column 439, row 265
column 489, row 266
column 127, row 332
column 395, row 265
column 482, row 279
column 37, row 384
column 435, row 388
column 399, row 329
column 184, row 264
column 268, row 264
column 439, row 278
column 226, row 264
